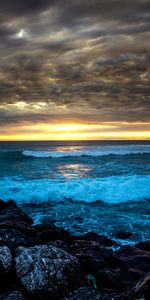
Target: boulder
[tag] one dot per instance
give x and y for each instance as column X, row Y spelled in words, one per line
column 122, row 235
column 14, row 238
column 91, row 256
column 14, row 295
column 46, row 271
column 59, row 244
column 133, row 258
column 15, row 226
column 4, row 204
column 141, row 290
column 84, row 293
column 115, row 279
column 88, row 293
column 5, row 260
column 92, row 236
column 46, row 235
column 143, row 245
column 5, row 268
column 13, row 216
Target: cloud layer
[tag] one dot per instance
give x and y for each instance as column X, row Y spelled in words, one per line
column 86, row 61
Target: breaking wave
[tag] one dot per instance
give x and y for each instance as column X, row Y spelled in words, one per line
column 112, row 189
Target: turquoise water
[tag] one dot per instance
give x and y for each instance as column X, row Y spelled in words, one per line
column 100, row 186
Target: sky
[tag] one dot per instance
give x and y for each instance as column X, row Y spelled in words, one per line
column 74, row 69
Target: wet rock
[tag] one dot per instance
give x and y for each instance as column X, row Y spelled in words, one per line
column 115, row 279
column 5, row 268
column 41, row 227
column 92, row 236
column 16, row 218
column 88, row 293
column 142, row 288
column 15, row 226
column 132, row 257
column 5, row 259
column 14, row 295
column 53, row 234
column 4, row 204
column 84, row 293
column 143, row 245
column 60, row 244
column 46, row 271
column 123, row 235
column 91, row 256
column 14, row 238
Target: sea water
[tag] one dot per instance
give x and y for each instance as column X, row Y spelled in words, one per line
column 103, row 186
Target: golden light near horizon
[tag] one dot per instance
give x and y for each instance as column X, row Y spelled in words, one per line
column 73, row 131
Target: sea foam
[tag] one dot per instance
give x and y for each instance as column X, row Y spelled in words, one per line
column 113, row 189
column 95, row 151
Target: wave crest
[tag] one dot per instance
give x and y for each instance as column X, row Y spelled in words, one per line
column 113, row 189
column 117, row 150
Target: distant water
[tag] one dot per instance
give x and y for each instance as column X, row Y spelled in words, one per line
column 98, row 185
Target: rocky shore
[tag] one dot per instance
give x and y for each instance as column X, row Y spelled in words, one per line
column 45, row 262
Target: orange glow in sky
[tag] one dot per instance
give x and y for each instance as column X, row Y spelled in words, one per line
column 73, row 131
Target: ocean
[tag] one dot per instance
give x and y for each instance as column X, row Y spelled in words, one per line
column 100, row 186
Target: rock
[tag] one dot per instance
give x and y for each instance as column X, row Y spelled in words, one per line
column 132, row 257
column 15, row 217
column 15, row 227
column 41, row 227
column 5, row 268
column 92, row 236
column 84, row 293
column 91, row 256
column 115, row 279
column 14, row 238
column 46, row 271
column 142, row 288
column 4, row 204
column 5, row 259
column 14, row 295
column 88, row 293
column 59, row 244
column 53, row 234
column 123, row 235
column 143, row 245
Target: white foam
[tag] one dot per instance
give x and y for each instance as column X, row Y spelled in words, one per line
column 93, row 151
column 113, row 189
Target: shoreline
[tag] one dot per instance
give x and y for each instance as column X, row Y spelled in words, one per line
column 46, row 262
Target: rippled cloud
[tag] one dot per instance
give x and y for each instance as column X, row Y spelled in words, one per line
column 85, row 61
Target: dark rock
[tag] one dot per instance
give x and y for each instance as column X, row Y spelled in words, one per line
column 115, row 279
column 41, row 227
column 15, row 227
column 91, row 256
column 5, row 268
column 84, row 293
column 135, row 273
column 46, row 271
column 131, row 257
column 59, row 244
column 47, row 235
column 123, row 235
column 5, row 204
column 143, row 245
column 141, row 290
column 92, row 236
column 14, row 295
column 5, row 259
column 87, row 293
column 14, row 238
column 15, row 217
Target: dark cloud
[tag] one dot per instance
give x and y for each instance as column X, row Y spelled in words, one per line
column 84, row 60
